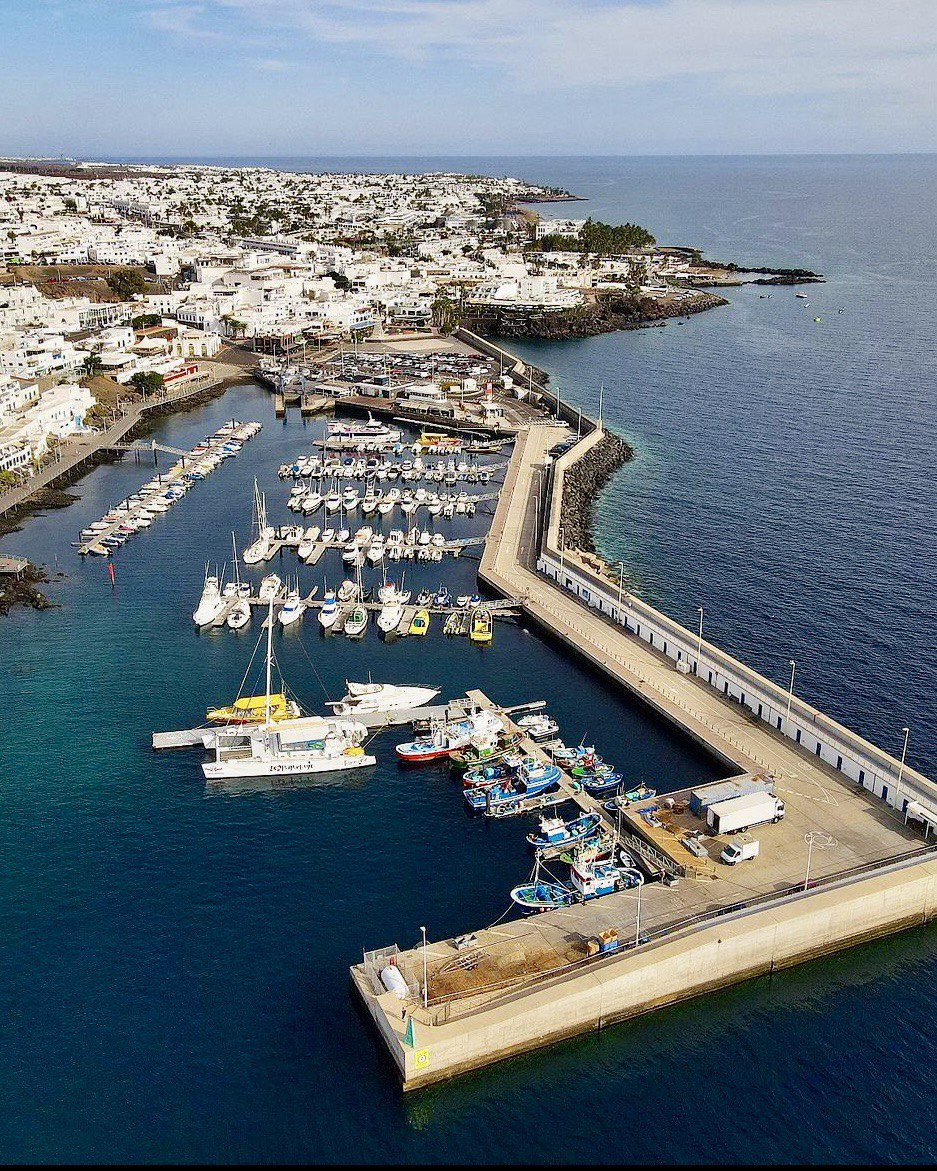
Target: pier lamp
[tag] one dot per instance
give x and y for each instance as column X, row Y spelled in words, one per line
column 425, row 988
column 699, row 641
column 904, row 753
column 820, row 840
column 790, row 690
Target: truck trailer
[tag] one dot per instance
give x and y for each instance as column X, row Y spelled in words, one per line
column 740, row 813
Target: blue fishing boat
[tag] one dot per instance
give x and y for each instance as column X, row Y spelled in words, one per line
column 598, row 784
column 554, row 831
column 542, row 896
column 490, row 773
column 530, row 781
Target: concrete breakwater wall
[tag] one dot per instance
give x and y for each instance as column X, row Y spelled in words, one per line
column 786, row 713
column 583, row 483
column 740, row 946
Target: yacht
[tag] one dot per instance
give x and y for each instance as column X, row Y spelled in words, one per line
column 211, row 603
column 292, row 609
column 369, row 698
column 328, row 612
column 269, row 588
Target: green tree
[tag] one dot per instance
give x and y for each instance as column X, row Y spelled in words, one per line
column 92, row 365
column 147, row 381
column 127, row 283
column 445, row 313
column 146, row 320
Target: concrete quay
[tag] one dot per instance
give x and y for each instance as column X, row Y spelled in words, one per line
column 858, row 818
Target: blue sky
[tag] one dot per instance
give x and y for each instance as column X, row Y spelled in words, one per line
column 305, row 77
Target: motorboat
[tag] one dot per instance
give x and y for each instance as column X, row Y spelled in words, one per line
column 368, row 698
column 481, row 629
column 269, row 588
column 211, row 604
column 239, row 615
column 328, row 611
column 419, row 624
column 292, row 609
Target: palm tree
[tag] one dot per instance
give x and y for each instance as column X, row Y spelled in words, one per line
column 92, row 364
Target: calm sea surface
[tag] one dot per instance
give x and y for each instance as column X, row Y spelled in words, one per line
column 173, row 984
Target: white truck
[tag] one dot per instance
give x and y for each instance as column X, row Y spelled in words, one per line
column 742, row 851
column 740, row 813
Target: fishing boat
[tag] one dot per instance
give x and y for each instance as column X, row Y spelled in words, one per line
column 598, row 784
column 480, row 632
column 262, row 534
column 253, row 710
column 530, row 780
column 538, row 895
column 554, row 831
column 484, row 776
column 592, row 879
column 539, row 726
column 211, row 603
column 419, row 624
column 442, row 739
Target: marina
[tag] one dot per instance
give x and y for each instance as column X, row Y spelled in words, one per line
column 208, row 906
column 874, row 825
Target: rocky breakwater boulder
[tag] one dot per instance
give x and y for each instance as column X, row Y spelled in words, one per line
column 20, row 590
column 583, row 482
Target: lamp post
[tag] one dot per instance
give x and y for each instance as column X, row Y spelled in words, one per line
column 904, row 753
column 621, row 582
column 425, row 988
column 637, row 919
column 821, row 840
column 699, row 640
column 790, row 690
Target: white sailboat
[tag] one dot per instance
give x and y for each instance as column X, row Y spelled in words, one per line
column 307, row 744
column 239, row 615
column 261, row 532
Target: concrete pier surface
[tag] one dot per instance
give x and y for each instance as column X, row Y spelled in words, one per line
column 855, row 816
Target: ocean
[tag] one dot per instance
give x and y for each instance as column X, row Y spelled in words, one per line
column 174, row 982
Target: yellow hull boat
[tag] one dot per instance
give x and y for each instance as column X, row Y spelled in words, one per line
column 252, row 709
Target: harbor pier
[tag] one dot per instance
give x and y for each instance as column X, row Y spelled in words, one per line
column 515, row 987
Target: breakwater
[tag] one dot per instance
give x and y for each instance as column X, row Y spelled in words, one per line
column 582, row 485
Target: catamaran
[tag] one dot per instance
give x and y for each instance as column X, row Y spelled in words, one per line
column 261, row 533
column 307, row 744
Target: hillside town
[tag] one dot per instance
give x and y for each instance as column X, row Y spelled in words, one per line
column 115, row 277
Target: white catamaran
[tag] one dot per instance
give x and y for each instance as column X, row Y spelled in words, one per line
column 309, row 744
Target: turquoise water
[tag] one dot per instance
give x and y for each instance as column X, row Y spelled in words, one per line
column 174, row 981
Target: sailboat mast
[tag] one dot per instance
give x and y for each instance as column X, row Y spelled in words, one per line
column 269, row 659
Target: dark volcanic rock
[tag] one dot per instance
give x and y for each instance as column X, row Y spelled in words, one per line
column 610, row 312
column 22, row 591
column 582, row 485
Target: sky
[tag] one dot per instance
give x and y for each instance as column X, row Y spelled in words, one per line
column 215, row 78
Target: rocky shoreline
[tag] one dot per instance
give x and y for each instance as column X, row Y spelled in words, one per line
column 22, row 591
column 582, row 485
column 609, row 313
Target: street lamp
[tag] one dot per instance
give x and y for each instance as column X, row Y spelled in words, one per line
column 821, row 840
column 425, row 988
column 621, row 581
column 699, row 640
column 790, row 690
column 904, row 753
